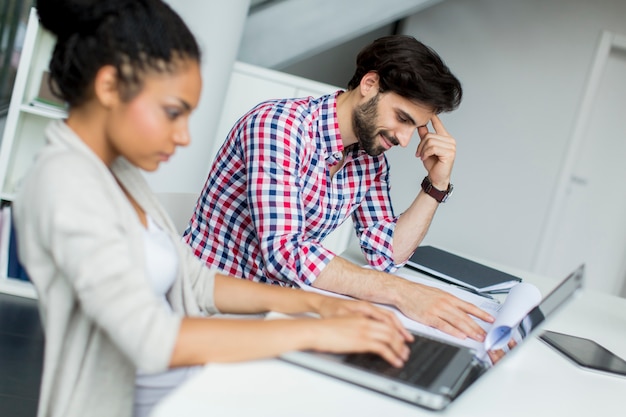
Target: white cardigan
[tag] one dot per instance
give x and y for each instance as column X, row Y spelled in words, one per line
column 82, row 245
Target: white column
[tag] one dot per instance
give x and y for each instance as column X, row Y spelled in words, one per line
column 218, row 26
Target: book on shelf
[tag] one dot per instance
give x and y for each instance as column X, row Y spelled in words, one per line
column 461, row 271
column 9, row 261
column 5, row 229
column 15, row 269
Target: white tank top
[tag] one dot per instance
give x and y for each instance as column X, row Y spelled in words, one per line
column 161, row 259
column 161, row 269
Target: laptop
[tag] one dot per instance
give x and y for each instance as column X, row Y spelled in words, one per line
column 437, row 371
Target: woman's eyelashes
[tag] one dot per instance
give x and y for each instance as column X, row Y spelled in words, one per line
column 173, row 113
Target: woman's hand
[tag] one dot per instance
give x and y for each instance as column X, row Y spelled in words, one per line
column 336, row 307
column 375, row 330
column 361, row 334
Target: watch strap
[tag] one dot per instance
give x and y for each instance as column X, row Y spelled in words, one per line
column 438, row 195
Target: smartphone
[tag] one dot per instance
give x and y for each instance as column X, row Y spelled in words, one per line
column 585, row 352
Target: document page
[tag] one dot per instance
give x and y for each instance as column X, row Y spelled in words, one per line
column 507, row 313
column 521, row 300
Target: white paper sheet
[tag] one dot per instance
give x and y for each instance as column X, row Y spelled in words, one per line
column 516, row 305
column 522, row 298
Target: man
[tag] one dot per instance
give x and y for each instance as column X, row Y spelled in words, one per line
column 291, row 171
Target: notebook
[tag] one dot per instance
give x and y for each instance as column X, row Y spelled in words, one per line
column 455, row 269
column 437, row 371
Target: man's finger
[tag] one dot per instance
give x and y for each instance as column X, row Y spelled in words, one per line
column 438, row 126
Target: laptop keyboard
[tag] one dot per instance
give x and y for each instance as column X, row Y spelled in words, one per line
column 428, row 357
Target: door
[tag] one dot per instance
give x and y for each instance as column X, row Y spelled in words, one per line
column 588, row 219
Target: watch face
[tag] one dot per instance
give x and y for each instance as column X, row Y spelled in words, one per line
column 445, row 197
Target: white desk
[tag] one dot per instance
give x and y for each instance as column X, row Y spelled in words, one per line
column 532, row 380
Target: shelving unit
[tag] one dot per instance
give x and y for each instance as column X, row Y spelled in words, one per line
column 24, row 128
column 25, row 124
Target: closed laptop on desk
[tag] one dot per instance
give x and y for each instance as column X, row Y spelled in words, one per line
column 437, row 371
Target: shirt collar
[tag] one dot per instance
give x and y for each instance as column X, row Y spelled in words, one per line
column 328, row 128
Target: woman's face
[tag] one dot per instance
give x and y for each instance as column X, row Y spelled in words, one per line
column 147, row 129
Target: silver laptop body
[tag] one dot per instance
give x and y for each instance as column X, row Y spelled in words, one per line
column 433, row 381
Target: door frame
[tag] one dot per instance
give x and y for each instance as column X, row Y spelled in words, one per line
column 608, row 42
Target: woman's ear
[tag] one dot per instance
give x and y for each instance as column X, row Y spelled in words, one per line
column 106, row 86
column 369, row 84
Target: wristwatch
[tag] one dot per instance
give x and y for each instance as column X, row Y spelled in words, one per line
column 440, row 196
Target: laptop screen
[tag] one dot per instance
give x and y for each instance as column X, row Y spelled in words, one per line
column 550, row 303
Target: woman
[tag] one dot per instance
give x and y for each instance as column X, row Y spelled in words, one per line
column 121, row 297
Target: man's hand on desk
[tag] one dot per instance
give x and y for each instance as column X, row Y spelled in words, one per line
column 441, row 310
column 427, row 305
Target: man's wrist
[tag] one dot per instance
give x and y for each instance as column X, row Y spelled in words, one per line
column 439, row 194
column 397, row 289
column 440, row 185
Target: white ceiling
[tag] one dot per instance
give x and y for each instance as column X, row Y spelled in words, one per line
column 287, row 31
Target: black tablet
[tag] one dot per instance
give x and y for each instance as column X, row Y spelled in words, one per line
column 585, row 352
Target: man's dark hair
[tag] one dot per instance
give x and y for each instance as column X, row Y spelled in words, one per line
column 134, row 36
column 410, row 69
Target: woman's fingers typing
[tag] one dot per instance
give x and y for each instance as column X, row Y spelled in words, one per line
column 360, row 334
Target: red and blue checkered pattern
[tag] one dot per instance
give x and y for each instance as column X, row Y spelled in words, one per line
column 269, row 200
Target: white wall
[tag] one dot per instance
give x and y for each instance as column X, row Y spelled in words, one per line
column 335, row 66
column 523, row 65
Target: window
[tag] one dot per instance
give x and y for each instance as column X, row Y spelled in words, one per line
column 13, row 21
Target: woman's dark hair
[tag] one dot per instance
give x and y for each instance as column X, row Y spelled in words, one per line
column 134, row 36
column 410, row 69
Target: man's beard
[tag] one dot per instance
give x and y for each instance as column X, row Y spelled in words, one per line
column 364, row 120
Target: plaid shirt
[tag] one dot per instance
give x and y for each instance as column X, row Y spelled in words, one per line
column 269, row 200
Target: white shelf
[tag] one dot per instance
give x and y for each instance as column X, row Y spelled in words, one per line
column 25, row 124
column 24, row 130
column 17, row 287
column 38, row 111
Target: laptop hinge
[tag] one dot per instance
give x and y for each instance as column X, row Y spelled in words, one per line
column 473, row 372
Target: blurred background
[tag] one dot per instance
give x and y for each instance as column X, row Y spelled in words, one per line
column 541, row 133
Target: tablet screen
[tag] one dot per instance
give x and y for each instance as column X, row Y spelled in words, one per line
column 585, row 352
